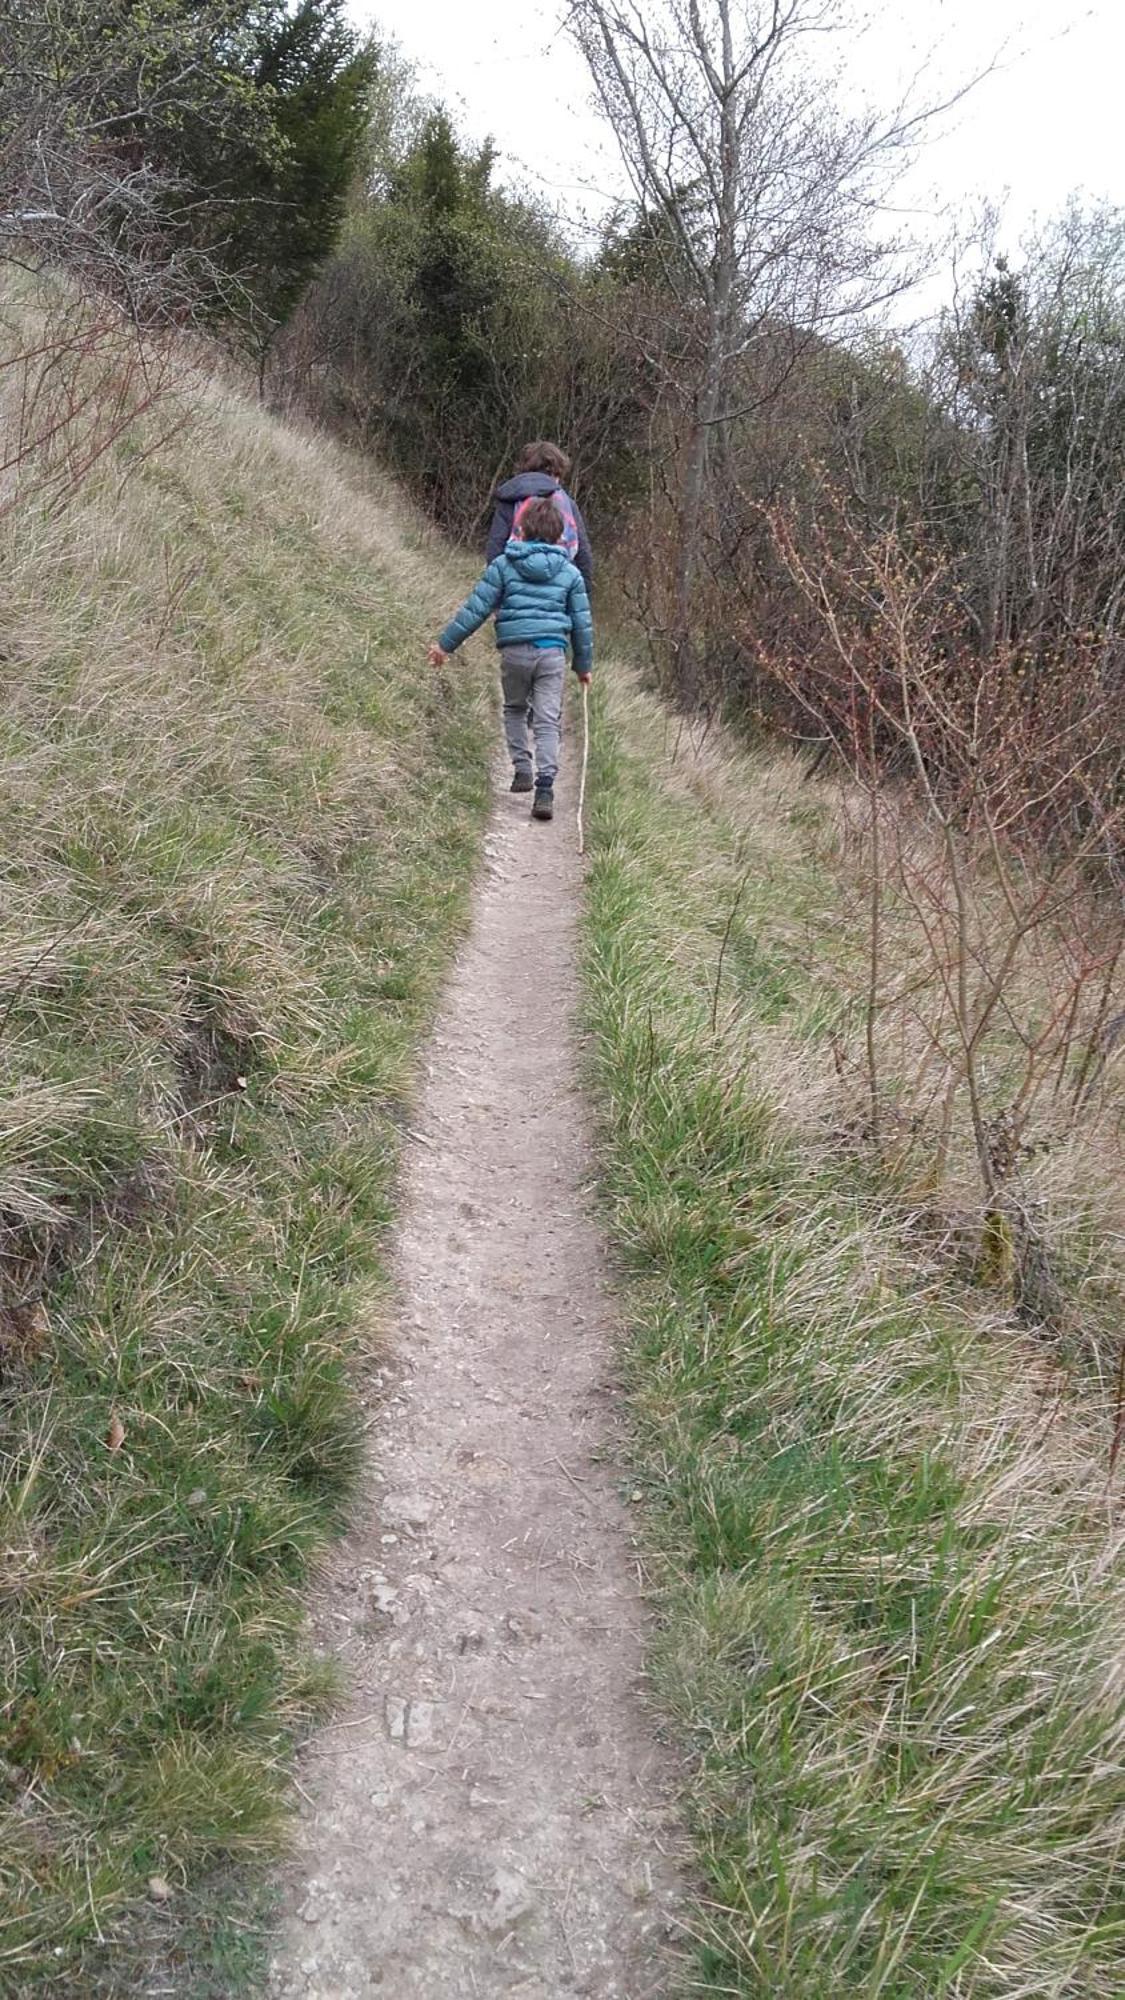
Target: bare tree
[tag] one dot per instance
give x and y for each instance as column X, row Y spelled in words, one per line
column 732, row 135
column 1030, row 368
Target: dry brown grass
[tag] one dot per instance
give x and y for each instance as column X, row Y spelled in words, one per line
column 888, row 1549
column 802, row 847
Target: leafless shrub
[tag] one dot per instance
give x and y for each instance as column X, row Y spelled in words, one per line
column 109, row 277
column 74, row 378
column 1011, row 881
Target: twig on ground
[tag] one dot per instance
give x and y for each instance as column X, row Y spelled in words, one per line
column 585, row 762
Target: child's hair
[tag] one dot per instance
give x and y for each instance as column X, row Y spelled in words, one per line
column 541, row 456
column 541, row 522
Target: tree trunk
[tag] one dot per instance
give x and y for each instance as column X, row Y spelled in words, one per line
column 693, row 489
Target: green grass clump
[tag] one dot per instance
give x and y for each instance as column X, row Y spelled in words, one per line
column 240, row 820
column 891, row 1631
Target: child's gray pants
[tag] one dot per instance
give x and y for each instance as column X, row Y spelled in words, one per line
column 532, row 679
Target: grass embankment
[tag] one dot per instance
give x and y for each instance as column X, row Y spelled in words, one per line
column 891, row 1631
column 239, row 821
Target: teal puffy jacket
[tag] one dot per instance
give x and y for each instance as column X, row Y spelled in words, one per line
column 536, row 594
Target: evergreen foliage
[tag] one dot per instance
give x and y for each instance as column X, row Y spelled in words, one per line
column 223, row 134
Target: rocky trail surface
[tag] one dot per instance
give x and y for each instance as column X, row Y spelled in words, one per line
column 490, row 1815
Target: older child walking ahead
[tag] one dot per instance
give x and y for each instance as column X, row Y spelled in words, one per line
column 540, row 603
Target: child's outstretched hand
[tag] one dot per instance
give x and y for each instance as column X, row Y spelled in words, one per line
column 437, row 657
column 584, row 680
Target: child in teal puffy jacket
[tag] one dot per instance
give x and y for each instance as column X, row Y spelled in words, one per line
column 540, row 603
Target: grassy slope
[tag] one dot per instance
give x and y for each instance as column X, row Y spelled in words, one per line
column 891, row 1630
column 239, row 819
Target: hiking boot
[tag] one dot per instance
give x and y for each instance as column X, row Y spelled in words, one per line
column 522, row 782
column 544, row 805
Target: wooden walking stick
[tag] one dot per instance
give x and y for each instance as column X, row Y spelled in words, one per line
column 585, row 761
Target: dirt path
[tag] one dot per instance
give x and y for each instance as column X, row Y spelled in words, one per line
column 490, row 1817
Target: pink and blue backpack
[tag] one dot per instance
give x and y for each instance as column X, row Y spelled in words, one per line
column 569, row 539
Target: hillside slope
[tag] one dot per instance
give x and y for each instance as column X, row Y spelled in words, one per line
column 240, row 816
column 887, row 1551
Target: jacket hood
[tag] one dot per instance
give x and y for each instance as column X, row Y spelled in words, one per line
column 539, row 562
column 525, row 485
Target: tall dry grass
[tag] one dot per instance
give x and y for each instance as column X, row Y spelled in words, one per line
column 887, row 1552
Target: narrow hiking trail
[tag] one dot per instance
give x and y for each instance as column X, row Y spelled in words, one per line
column 491, row 1814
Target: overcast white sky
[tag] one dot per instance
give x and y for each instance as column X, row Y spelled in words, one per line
column 1047, row 123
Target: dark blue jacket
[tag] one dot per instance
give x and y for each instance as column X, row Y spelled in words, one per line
column 507, row 498
column 536, row 594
